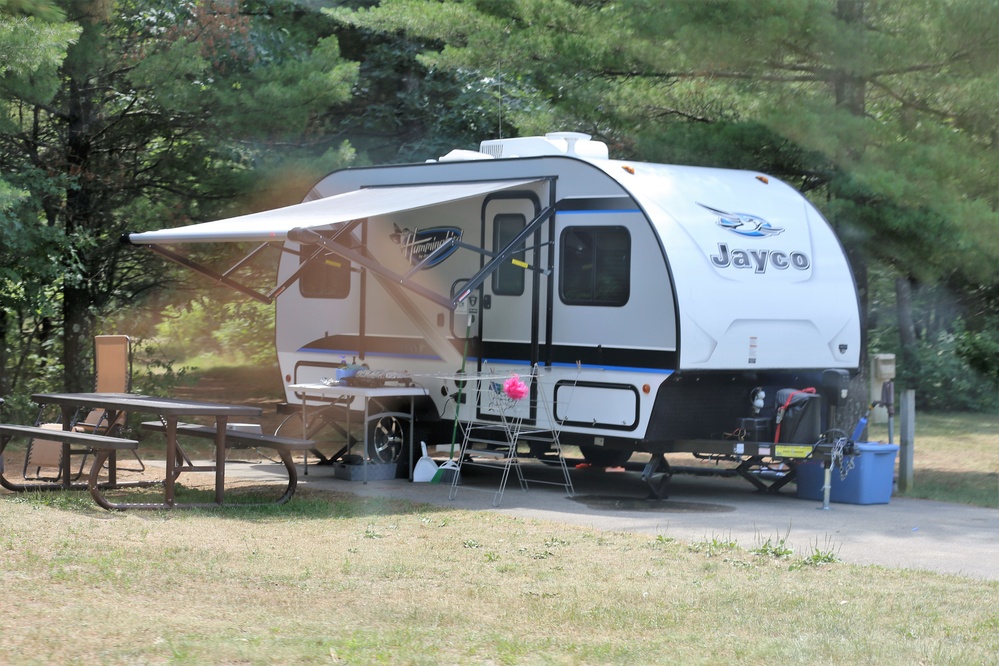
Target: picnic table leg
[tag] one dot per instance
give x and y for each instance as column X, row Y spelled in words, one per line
column 67, row 424
column 99, row 458
column 14, row 487
column 94, row 486
column 220, row 426
column 171, row 460
column 292, row 476
column 112, row 417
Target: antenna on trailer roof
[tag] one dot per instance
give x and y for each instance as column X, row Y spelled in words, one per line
column 499, row 103
column 499, row 86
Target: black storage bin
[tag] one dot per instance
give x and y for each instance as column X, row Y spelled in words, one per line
column 756, row 428
column 802, row 422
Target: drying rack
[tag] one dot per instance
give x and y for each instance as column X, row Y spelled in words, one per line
column 495, row 428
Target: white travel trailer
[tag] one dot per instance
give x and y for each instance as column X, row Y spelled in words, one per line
column 674, row 296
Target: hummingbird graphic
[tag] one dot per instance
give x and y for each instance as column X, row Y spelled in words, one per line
column 744, row 224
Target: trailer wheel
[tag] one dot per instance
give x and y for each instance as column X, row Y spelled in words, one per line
column 387, row 437
column 603, row 457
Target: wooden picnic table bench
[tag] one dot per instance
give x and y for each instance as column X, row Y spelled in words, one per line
column 241, row 439
column 102, row 446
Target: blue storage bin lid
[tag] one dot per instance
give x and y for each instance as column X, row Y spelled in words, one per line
column 876, row 447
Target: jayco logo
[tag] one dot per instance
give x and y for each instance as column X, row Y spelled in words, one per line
column 751, row 226
column 418, row 245
column 759, row 260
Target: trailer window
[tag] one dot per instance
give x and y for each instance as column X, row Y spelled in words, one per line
column 324, row 278
column 508, row 280
column 595, row 266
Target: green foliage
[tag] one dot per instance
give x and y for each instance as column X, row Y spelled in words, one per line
column 943, row 380
column 980, row 349
column 241, row 331
column 154, row 372
column 247, row 331
column 142, row 115
column 816, row 558
column 950, row 365
column 775, row 547
column 31, row 50
column 714, row 546
column 404, row 109
column 43, row 9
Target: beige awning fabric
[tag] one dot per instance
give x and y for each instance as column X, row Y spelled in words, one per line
column 274, row 225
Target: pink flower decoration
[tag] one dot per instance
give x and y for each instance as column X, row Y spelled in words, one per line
column 514, row 388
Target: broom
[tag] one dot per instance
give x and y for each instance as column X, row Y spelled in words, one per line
column 450, row 464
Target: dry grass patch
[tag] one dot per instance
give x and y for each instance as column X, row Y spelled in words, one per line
column 331, row 578
column 956, row 457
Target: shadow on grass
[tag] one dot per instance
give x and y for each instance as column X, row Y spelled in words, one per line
column 251, row 502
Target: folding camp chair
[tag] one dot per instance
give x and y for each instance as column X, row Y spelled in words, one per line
column 113, row 374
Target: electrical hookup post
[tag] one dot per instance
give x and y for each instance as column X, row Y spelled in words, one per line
column 847, row 450
column 883, row 373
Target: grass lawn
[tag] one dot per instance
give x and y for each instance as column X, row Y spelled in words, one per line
column 956, row 457
column 333, row 578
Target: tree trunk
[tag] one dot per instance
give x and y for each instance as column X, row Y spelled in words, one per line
column 77, row 340
column 4, row 360
column 81, row 208
column 849, row 88
column 906, row 323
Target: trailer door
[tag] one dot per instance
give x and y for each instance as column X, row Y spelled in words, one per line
column 514, row 297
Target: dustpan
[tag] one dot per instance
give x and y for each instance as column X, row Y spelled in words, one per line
column 446, row 472
column 425, row 468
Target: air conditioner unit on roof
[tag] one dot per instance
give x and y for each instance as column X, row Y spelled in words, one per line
column 574, row 144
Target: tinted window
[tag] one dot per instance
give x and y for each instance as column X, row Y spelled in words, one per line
column 508, row 279
column 326, row 277
column 595, row 266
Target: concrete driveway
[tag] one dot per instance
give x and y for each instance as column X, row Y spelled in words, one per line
column 905, row 533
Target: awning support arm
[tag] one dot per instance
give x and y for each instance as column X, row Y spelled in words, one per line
column 341, row 230
column 302, row 235
column 211, row 274
column 502, row 256
column 489, row 253
column 278, row 290
column 257, row 250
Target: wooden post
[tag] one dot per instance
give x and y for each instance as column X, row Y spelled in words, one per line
column 907, row 438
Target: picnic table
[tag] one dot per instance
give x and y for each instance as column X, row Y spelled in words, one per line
column 169, row 411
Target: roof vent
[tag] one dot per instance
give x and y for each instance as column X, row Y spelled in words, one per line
column 458, row 155
column 574, row 144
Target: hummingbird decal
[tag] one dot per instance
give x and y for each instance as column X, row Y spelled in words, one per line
column 744, row 224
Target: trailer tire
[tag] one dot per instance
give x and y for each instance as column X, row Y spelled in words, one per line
column 387, row 437
column 603, row 457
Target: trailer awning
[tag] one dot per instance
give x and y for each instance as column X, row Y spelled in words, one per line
column 339, row 214
column 274, row 225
